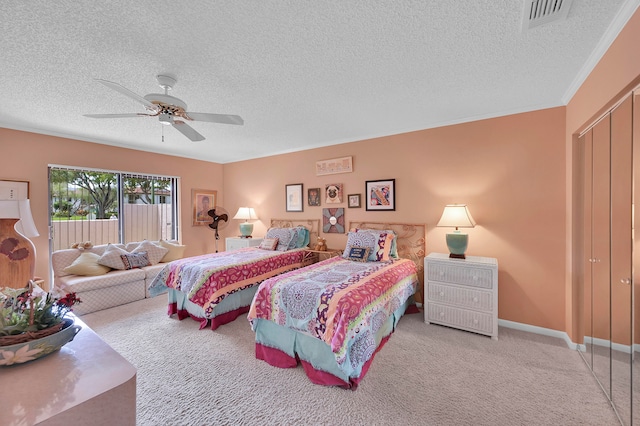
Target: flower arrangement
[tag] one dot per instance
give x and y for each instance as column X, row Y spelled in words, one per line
column 26, row 312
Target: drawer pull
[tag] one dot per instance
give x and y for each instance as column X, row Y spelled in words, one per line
column 441, row 314
column 442, row 294
column 475, row 321
column 475, row 300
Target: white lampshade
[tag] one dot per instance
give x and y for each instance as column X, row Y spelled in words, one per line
column 19, row 209
column 456, row 215
column 246, row 213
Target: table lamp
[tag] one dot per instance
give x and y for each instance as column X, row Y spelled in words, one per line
column 17, row 252
column 246, row 228
column 458, row 216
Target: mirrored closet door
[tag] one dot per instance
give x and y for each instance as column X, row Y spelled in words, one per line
column 606, row 213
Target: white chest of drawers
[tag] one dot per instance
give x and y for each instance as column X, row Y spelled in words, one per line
column 235, row 243
column 462, row 293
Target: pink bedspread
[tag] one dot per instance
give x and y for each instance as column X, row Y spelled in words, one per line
column 336, row 299
column 209, row 278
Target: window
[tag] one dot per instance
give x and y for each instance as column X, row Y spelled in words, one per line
column 110, row 207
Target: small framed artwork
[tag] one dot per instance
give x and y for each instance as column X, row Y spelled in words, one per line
column 335, row 165
column 380, row 194
column 14, row 190
column 313, row 196
column 333, row 192
column 333, row 221
column 203, row 201
column 353, row 201
column 293, row 194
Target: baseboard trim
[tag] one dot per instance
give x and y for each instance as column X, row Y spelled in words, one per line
column 543, row 331
column 564, row 336
column 627, row 349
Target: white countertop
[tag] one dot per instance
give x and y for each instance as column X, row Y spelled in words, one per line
column 83, row 369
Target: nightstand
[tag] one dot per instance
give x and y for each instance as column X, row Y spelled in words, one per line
column 462, row 293
column 312, row 256
column 235, row 243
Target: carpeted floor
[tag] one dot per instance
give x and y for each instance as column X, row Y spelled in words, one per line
column 425, row 375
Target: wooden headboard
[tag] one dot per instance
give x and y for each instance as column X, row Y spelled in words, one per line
column 313, row 225
column 411, row 244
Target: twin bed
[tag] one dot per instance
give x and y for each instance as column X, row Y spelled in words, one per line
column 215, row 289
column 332, row 316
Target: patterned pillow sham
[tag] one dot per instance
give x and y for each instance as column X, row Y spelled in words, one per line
column 284, row 236
column 300, row 237
column 155, row 252
column 393, row 250
column 303, row 237
column 135, row 260
column 111, row 257
column 379, row 244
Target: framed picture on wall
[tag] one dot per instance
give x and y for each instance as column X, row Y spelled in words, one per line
column 333, row 192
column 353, row 200
column 333, row 221
column 293, row 200
column 313, row 196
column 334, row 165
column 380, row 194
column 203, row 201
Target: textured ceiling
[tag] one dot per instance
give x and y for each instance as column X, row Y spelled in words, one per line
column 302, row 74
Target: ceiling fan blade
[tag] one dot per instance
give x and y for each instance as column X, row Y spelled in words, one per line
column 129, row 93
column 188, row 131
column 215, row 118
column 133, row 114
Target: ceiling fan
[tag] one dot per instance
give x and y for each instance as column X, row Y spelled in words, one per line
column 167, row 108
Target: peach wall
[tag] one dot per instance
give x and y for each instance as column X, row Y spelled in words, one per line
column 26, row 156
column 509, row 170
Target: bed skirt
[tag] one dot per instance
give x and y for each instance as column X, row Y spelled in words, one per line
column 284, row 348
column 230, row 308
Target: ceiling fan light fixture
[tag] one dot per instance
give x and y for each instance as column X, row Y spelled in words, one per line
column 166, row 119
column 167, row 108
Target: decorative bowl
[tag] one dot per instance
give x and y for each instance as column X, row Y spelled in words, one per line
column 38, row 348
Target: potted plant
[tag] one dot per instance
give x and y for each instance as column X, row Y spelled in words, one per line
column 33, row 323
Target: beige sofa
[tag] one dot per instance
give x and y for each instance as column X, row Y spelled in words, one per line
column 101, row 287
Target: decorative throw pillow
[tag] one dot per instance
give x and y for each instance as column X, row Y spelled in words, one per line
column 303, row 237
column 154, row 252
column 86, row 264
column 111, row 257
column 175, row 251
column 299, row 237
column 294, row 238
column 284, row 236
column 135, row 260
column 359, row 254
column 393, row 249
column 269, row 244
column 379, row 244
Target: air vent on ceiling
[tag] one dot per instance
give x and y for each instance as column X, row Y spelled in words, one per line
column 541, row 12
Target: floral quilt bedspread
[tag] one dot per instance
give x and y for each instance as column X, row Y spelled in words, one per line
column 336, row 299
column 208, row 279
